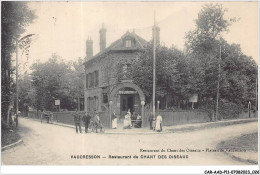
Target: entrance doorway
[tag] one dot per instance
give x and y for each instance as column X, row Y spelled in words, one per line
column 124, row 96
column 127, row 102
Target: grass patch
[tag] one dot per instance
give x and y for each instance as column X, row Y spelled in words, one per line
column 209, row 125
column 248, row 142
column 9, row 136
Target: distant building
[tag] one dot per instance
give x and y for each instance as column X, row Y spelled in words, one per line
column 106, row 74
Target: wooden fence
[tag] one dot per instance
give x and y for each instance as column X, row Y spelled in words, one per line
column 178, row 117
column 67, row 117
column 169, row 117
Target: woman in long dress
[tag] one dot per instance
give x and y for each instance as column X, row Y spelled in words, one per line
column 158, row 125
column 127, row 121
column 130, row 117
column 114, row 121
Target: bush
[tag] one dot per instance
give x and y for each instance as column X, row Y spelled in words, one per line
column 229, row 110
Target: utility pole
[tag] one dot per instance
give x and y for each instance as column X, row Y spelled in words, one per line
column 17, row 105
column 154, row 66
column 217, row 105
column 256, row 96
column 249, row 109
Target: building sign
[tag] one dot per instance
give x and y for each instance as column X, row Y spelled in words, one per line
column 194, row 98
column 57, row 102
column 127, row 92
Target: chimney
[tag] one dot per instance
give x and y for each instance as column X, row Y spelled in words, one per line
column 89, row 49
column 102, row 33
column 156, row 29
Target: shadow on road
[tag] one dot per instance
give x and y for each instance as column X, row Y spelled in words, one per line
column 24, row 130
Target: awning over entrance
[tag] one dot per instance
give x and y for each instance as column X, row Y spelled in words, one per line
column 122, row 85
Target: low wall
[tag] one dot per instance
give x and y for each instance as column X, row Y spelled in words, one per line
column 245, row 114
column 64, row 117
column 33, row 114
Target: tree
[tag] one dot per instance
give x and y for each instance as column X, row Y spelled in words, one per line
column 25, row 94
column 54, row 80
column 50, row 81
column 15, row 16
column 203, row 47
column 168, row 72
column 76, row 80
column 237, row 72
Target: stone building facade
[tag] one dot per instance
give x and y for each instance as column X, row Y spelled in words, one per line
column 107, row 87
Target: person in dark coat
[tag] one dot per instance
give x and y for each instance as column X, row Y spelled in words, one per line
column 86, row 119
column 77, row 120
column 151, row 119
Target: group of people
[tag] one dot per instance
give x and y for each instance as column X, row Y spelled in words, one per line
column 45, row 115
column 155, row 123
column 129, row 120
column 86, row 118
column 132, row 120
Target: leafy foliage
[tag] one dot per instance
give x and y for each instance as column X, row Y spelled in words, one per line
column 14, row 17
column 238, row 72
column 56, row 80
column 169, row 71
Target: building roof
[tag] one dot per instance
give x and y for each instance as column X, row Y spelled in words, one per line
column 118, row 45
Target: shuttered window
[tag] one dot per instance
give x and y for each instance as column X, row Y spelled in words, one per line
column 87, row 81
column 96, row 78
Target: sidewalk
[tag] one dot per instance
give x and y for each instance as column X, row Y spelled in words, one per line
column 199, row 126
column 119, row 130
column 170, row 129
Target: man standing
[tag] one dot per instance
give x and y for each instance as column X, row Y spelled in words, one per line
column 86, row 119
column 97, row 123
column 77, row 121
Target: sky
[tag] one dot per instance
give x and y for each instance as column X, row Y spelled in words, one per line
column 63, row 27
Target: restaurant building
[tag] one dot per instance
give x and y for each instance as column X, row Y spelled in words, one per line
column 107, row 86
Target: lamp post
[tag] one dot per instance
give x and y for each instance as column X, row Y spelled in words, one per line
column 142, row 103
column 249, row 109
column 158, row 103
column 110, row 113
column 24, row 43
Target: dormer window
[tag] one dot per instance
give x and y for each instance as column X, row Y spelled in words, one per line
column 128, row 43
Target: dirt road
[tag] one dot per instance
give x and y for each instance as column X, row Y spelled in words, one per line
column 47, row 144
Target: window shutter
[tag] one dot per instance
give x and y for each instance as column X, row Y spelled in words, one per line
column 87, row 81
column 96, row 78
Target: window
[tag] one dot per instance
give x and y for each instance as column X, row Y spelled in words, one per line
column 91, row 84
column 128, row 43
column 105, row 98
column 91, row 104
column 88, row 104
column 95, row 103
column 87, row 81
column 96, row 78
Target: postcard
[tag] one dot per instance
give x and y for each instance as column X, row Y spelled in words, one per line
column 130, row 84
